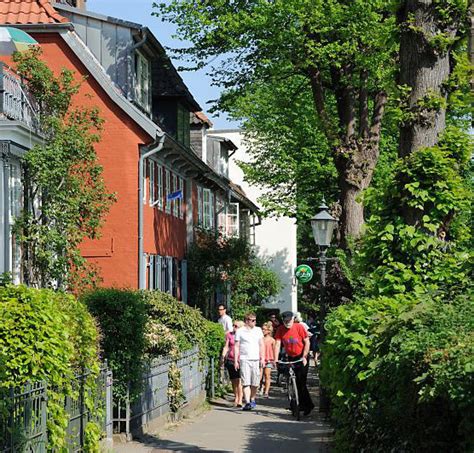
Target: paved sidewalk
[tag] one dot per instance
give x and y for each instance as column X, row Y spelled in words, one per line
column 267, row 429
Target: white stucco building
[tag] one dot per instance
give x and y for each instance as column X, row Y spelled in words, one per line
column 275, row 238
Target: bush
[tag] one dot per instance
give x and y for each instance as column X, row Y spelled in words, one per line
column 139, row 325
column 122, row 317
column 393, row 364
column 47, row 336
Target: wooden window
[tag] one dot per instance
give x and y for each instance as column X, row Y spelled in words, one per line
column 232, row 219
column 167, row 191
column 143, row 85
column 200, row 206
column 175, row 201
column 180, row 200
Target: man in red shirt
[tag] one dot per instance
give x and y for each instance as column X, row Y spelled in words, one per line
column 294, row 338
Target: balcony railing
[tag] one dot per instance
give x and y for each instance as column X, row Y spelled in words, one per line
column 16, row 103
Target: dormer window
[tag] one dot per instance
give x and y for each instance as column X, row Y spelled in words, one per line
column 143, row 86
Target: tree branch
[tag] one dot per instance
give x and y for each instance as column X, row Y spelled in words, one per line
column 344, row 100
column 319, row 103
column 363, row 106
column 379, row 107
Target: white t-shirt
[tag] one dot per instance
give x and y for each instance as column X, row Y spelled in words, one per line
column 226, row 322
column 249, row 342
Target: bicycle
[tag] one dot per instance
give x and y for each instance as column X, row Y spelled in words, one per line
column 292, row 389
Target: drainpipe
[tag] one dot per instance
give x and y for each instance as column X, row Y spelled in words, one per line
column 141, row 262
column 130, row 57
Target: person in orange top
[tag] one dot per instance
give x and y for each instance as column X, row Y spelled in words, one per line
column 294, row 338
column 269, row 351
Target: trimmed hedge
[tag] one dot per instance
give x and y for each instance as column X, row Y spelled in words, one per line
column 47, row 336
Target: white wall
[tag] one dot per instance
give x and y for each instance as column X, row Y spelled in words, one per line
column 275, row 238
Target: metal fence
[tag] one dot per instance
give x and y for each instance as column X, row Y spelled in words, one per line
column 24, row 417
column 153, row 402
column 16, row 103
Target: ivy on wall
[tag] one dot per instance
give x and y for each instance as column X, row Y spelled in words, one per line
column 65, row 198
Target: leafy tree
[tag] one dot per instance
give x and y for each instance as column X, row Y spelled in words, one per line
column 338, row 52
column 65, row 198
column 227, row 265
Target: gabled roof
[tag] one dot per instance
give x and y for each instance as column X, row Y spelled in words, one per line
column 23, row 12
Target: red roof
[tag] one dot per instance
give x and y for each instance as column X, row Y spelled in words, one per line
column 24, row 12
column 202, row 118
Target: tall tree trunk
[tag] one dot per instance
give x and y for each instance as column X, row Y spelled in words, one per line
column 355, row 162
column 355, row 142
column 424, row 68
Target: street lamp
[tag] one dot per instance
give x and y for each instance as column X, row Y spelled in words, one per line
column 323, row 225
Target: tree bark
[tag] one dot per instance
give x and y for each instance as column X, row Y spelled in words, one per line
column 424, row 68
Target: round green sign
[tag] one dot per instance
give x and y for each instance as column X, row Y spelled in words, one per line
column 303, row 273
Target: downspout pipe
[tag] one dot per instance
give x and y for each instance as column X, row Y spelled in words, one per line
column 154, row 150
column 136, row 46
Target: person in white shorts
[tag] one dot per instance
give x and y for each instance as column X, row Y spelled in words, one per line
column 249, row 356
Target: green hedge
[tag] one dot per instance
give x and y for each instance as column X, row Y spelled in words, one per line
column 401, row 374
column 139, row 325
column 47, row 336
column 122, row 315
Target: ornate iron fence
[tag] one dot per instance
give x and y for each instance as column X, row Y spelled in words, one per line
column 16, row 103
column 24, row 415
column 132, row 416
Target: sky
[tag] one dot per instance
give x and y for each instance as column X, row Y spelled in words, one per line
column 139, row 11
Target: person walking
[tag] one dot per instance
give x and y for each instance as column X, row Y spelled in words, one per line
column 294, row 338
column 269, row 351
column 227, row 360
column 248, row 357
column 224, row 319
column 274, row 320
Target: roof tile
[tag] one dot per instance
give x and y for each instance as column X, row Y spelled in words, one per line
column 23, row 12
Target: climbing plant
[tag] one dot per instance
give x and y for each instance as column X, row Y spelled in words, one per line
column 65, row 197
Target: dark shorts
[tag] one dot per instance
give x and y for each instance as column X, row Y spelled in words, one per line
column 233, row 373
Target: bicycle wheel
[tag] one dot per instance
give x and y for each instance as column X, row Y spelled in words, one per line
column 293, row 397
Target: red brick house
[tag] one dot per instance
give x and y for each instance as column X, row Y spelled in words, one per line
column 164, row 187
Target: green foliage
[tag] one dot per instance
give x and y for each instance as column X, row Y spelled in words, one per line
column 47, row 336
column 399, row 363
column 64, row 179
column 430, row 188
column 122, row 318
column 138, row 326
column 92, row 436
column 309, row 93
column 228, row 264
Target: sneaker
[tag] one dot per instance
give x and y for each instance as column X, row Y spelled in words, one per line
column 247, row 407
column 253, row 404
column 266, row 395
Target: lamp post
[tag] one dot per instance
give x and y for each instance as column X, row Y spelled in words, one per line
column 323, row 225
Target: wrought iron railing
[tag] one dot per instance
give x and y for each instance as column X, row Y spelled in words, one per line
column 16, row 103
column 23, row 416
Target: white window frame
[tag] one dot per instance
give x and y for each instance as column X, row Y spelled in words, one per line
column 180, row 200
column 151, row 182
column 232, row 220
column 206, row 211
column 159, row 184
column 167, row 191
column 143, row 85
column 15, row 201
column 200, row 206
column 212, row 211
column 175, row 206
